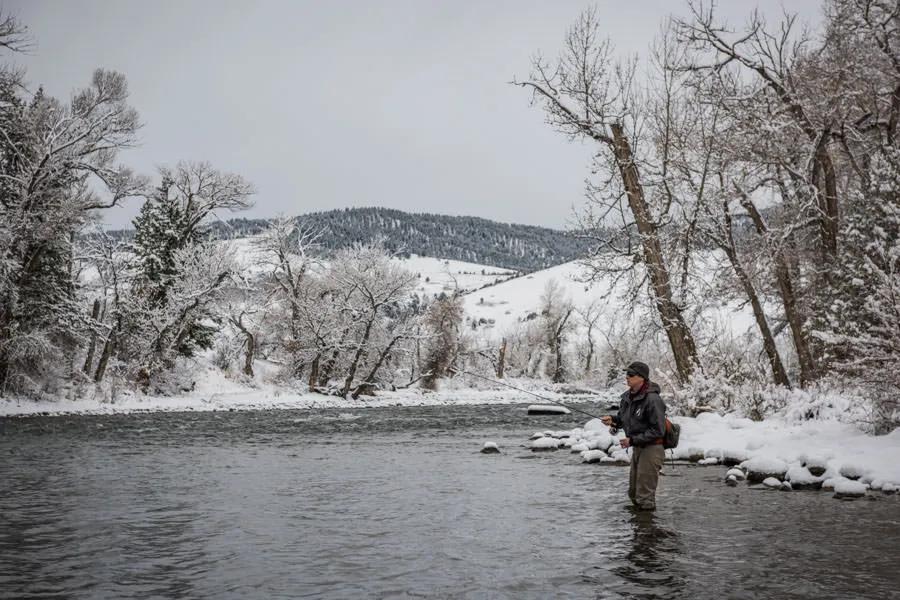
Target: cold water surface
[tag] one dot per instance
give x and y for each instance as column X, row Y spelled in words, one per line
column 399, row 503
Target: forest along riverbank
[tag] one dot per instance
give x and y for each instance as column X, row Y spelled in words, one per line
column 397, row 501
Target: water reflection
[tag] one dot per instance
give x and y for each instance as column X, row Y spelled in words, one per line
column 649, row 568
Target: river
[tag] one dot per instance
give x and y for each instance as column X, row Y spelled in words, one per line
column 399, row 503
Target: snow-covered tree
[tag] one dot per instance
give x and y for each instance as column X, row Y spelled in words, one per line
column 442, row 321
column 376, row 309
column 57, row 168
column 174, row 282
column 156, row 335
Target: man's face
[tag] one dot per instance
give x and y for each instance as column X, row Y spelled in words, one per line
column 633, row 380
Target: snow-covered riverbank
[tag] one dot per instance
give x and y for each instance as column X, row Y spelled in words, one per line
column 811, row 454
column 212, row 392
column 262, row 399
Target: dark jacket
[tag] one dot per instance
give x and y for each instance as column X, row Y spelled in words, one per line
column 642, row 416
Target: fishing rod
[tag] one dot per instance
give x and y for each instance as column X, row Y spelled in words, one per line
column 455, row 370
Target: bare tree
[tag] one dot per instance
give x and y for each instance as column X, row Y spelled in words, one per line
column 379, row 285
column 775, row 59
column 586, row 94
column 442, row 322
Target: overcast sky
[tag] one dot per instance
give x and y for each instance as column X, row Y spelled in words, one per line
column 332, row 104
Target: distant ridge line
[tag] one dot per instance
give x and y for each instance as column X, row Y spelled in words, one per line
column 478, row 240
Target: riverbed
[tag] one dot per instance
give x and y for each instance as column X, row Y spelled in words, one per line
column 399, row 502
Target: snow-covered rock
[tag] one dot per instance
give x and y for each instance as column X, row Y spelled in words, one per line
column 852, row 471
column 801, row 478
column 786, row 486
column 760, row 468
column 817, row 465
column 544, row 443
column 490, row 448
column 772, row 482
column 595, row 425
column 712, row 460
column 601, row 441
column 618, row 457
column 738, row 474
column 848, row 488
column 731, row 480
column 889, row 488
column 580, row 447
column 734, row 456
column 592, row 456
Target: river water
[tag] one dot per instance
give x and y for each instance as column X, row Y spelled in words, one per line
column 399, row 503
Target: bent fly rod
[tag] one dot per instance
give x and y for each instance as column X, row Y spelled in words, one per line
column 455, row 370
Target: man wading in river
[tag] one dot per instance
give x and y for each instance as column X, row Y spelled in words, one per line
column 642, row 414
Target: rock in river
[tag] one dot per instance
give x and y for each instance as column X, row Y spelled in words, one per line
column 490, row 448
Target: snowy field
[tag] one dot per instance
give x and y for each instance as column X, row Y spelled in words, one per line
column 502, row 308
column 437, row 275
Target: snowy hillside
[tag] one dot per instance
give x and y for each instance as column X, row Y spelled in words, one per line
column 438, row 275
column 502, row 307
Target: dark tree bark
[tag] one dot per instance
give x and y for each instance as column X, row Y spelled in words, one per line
column 92, row 346
column 501, row 362
column 788, row 296
column 680, row 338
column 779, row 373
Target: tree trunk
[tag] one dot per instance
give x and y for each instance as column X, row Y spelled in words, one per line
column 108, row 348
column 778, row 371
column 559, row 371
column 248, row 356
column 332, row 360
column 370, row 378
column 681, row 340
column 314, row 372
column 590, row 355
column 415, row 359
column 788, row 297
column 359, row 352
column 501, row 362
column 250, row 341
column 92, row 346
column 825, row 181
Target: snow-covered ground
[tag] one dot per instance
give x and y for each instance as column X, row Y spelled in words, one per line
column 503, row 307
column 813, row 454
column 438, row 275
column 435, row 275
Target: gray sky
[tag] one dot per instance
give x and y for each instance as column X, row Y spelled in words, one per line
column 332, row 104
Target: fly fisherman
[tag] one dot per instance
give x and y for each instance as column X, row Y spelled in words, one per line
column 642, row 414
